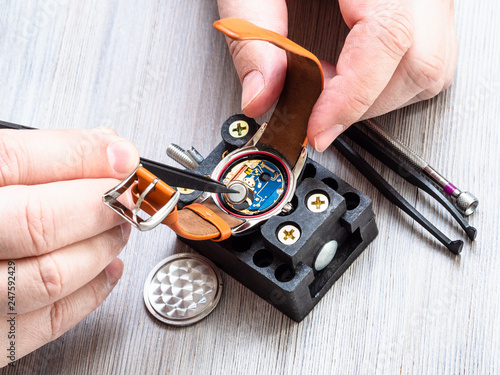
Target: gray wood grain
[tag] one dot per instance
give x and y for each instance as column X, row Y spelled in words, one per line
column 157, row 72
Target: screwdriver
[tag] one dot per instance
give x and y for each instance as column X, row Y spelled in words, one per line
column 465, row 202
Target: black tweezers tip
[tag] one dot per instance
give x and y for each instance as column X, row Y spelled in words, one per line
column 471, row 233
column 456, row 246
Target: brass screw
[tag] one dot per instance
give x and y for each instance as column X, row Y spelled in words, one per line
column 288, row 234
column 185, row 190
column 238, row 129
column 317, row 202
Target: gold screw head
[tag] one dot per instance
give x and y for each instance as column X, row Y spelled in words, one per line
column 317, row 202
column 185, row 190
column 238, row 129
column 288, row 234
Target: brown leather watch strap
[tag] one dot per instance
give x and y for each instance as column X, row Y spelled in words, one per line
column 287, row 128
column 196, row 221
column 286, row 132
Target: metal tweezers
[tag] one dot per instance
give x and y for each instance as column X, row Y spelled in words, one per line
column 410, row 174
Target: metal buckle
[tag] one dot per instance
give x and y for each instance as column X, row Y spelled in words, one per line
column 110, row 199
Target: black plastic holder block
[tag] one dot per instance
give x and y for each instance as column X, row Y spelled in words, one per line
column 284, row 275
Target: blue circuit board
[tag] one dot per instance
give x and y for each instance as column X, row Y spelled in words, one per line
column 265, row 192
column 264, row 181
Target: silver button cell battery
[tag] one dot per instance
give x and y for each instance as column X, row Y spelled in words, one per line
column 183, row 289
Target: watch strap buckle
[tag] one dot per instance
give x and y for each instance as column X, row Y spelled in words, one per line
column 131, row 215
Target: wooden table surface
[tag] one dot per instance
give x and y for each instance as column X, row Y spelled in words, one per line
column 157, row 72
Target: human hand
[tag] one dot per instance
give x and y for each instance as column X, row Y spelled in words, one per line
column 397, row 53
column 58, row 242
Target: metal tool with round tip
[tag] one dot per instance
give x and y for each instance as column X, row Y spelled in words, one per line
column 466, row 202
column 409, row 174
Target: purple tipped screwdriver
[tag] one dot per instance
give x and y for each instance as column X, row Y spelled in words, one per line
column 464, row 201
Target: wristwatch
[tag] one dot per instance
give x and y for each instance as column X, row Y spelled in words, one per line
column 264, row 172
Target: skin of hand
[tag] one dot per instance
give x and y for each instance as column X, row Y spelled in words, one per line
column 398, row 52
column 57, row 239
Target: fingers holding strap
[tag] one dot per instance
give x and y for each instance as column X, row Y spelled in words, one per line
column 287, row 128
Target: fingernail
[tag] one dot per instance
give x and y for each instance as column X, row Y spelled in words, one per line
column 253, row 84
column 126, row 229
column 326, row 137
column 123, row 156
column 114, row 272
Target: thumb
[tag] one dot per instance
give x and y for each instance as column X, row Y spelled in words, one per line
column 371, row 54
column 261, row 66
